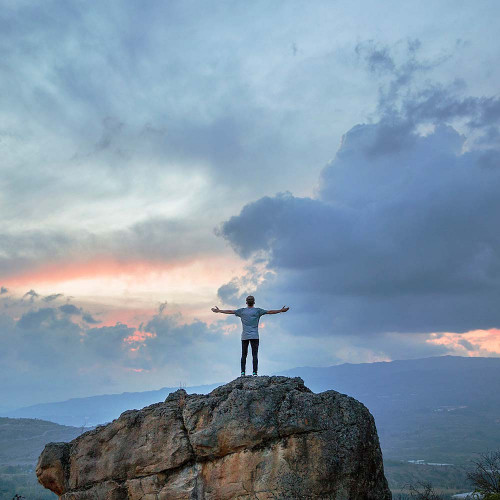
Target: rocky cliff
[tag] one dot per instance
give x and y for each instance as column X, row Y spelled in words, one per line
column 254, row 438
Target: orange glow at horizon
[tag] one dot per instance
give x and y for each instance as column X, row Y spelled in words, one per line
column 94, row 268
column 130, row 292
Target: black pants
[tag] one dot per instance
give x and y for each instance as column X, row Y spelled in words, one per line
column 244, row 352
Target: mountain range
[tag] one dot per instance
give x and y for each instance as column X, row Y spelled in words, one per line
column 439, row 410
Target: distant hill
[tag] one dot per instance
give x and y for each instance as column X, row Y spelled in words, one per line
column 22, row 439
column 438, row 409
column 96, row 410
column 441, row 409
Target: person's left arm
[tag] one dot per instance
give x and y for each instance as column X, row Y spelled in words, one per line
column 284, row 309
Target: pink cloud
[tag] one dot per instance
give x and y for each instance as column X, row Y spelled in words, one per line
column 472, row 343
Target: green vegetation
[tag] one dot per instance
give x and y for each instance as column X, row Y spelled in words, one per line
column 434, row 482
column 422, row 491
column 22, row 439
column 485, row 476
column 446, row 480
column 451, row 435
column 21, row 442
column 21, row 480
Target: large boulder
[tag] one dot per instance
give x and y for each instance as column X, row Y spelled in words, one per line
column 254, row 438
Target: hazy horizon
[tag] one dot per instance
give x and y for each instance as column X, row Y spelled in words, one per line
column 6, row 409
column 160, row 159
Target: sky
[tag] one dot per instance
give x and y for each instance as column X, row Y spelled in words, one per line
column 161, row 158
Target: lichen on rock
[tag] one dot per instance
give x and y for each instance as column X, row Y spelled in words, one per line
column 253, row 438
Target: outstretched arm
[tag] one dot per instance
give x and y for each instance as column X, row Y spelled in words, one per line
column 284, row 309
column 223, row 311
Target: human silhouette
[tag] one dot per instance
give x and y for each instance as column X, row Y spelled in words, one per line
column 250, row 316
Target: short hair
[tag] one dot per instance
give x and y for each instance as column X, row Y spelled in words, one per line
column 250, row 298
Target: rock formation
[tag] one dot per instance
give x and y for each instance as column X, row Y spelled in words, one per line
column 254, row 438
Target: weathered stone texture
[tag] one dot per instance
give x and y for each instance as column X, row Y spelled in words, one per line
column 254, row 438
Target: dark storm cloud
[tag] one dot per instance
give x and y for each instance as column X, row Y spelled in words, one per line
column 52, row 341
column 400, row 237
column 52, row 297
column 404, row 104
column 229, row 292
column 440, row 104
column 107, row 341
column 88, row 318
column 171, row 332
column 52, row 344
column 177, row 344
column 31, row 295
column 401, row 68
column 70, row 309
column 35, row 319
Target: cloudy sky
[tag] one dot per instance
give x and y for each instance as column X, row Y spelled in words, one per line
column 159, row 158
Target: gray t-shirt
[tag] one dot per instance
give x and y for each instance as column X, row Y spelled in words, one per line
column 250, row 320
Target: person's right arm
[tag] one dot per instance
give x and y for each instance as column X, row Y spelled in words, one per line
column 223, row 311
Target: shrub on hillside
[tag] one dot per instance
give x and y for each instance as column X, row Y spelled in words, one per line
column 485, row 477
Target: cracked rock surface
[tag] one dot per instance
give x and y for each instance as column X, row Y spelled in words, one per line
column 254, row 438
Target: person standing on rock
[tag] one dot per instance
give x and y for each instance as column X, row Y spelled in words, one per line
column 250, row 316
